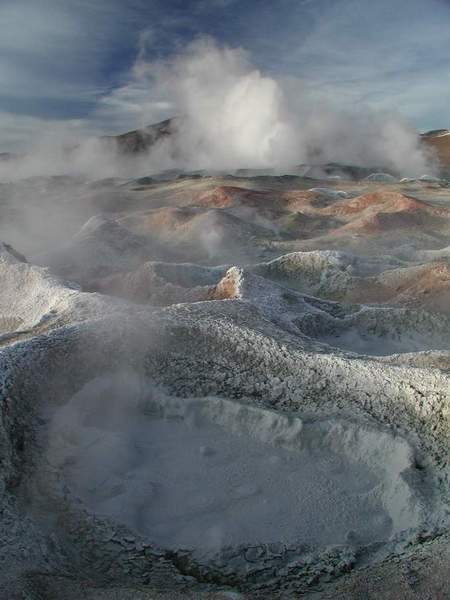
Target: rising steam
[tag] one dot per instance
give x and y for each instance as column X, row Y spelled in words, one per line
column 230, row 115
column 234, row 116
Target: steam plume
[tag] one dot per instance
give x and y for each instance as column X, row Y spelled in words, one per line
column 231, row 116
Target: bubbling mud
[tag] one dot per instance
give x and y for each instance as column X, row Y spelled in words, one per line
column 209, row 473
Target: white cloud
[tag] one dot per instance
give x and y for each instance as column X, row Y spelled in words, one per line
column 379, row 53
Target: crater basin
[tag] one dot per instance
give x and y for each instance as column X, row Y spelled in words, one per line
column 208, row 473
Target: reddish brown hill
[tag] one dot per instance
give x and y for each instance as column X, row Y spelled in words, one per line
column 295, row 200
column 381, row 222
column 379, row 212
column 416, row 281
column 229, row 196
column 439, row 143
column 380, row 201
column 160, row 219
column 424, row 286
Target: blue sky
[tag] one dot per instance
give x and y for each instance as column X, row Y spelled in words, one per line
column 63, row 61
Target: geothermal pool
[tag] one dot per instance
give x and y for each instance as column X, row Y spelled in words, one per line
column 205, row 474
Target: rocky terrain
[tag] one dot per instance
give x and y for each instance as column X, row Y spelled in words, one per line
column 228, row 386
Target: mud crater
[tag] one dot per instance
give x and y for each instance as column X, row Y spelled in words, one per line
column 205, row 474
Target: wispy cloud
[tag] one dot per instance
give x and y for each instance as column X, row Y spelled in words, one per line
column 388, row 54
column 55, row 62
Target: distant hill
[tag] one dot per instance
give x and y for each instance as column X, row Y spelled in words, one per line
column 439, row 141
column 141, row 140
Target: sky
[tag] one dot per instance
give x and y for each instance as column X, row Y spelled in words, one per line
column 80, row 66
